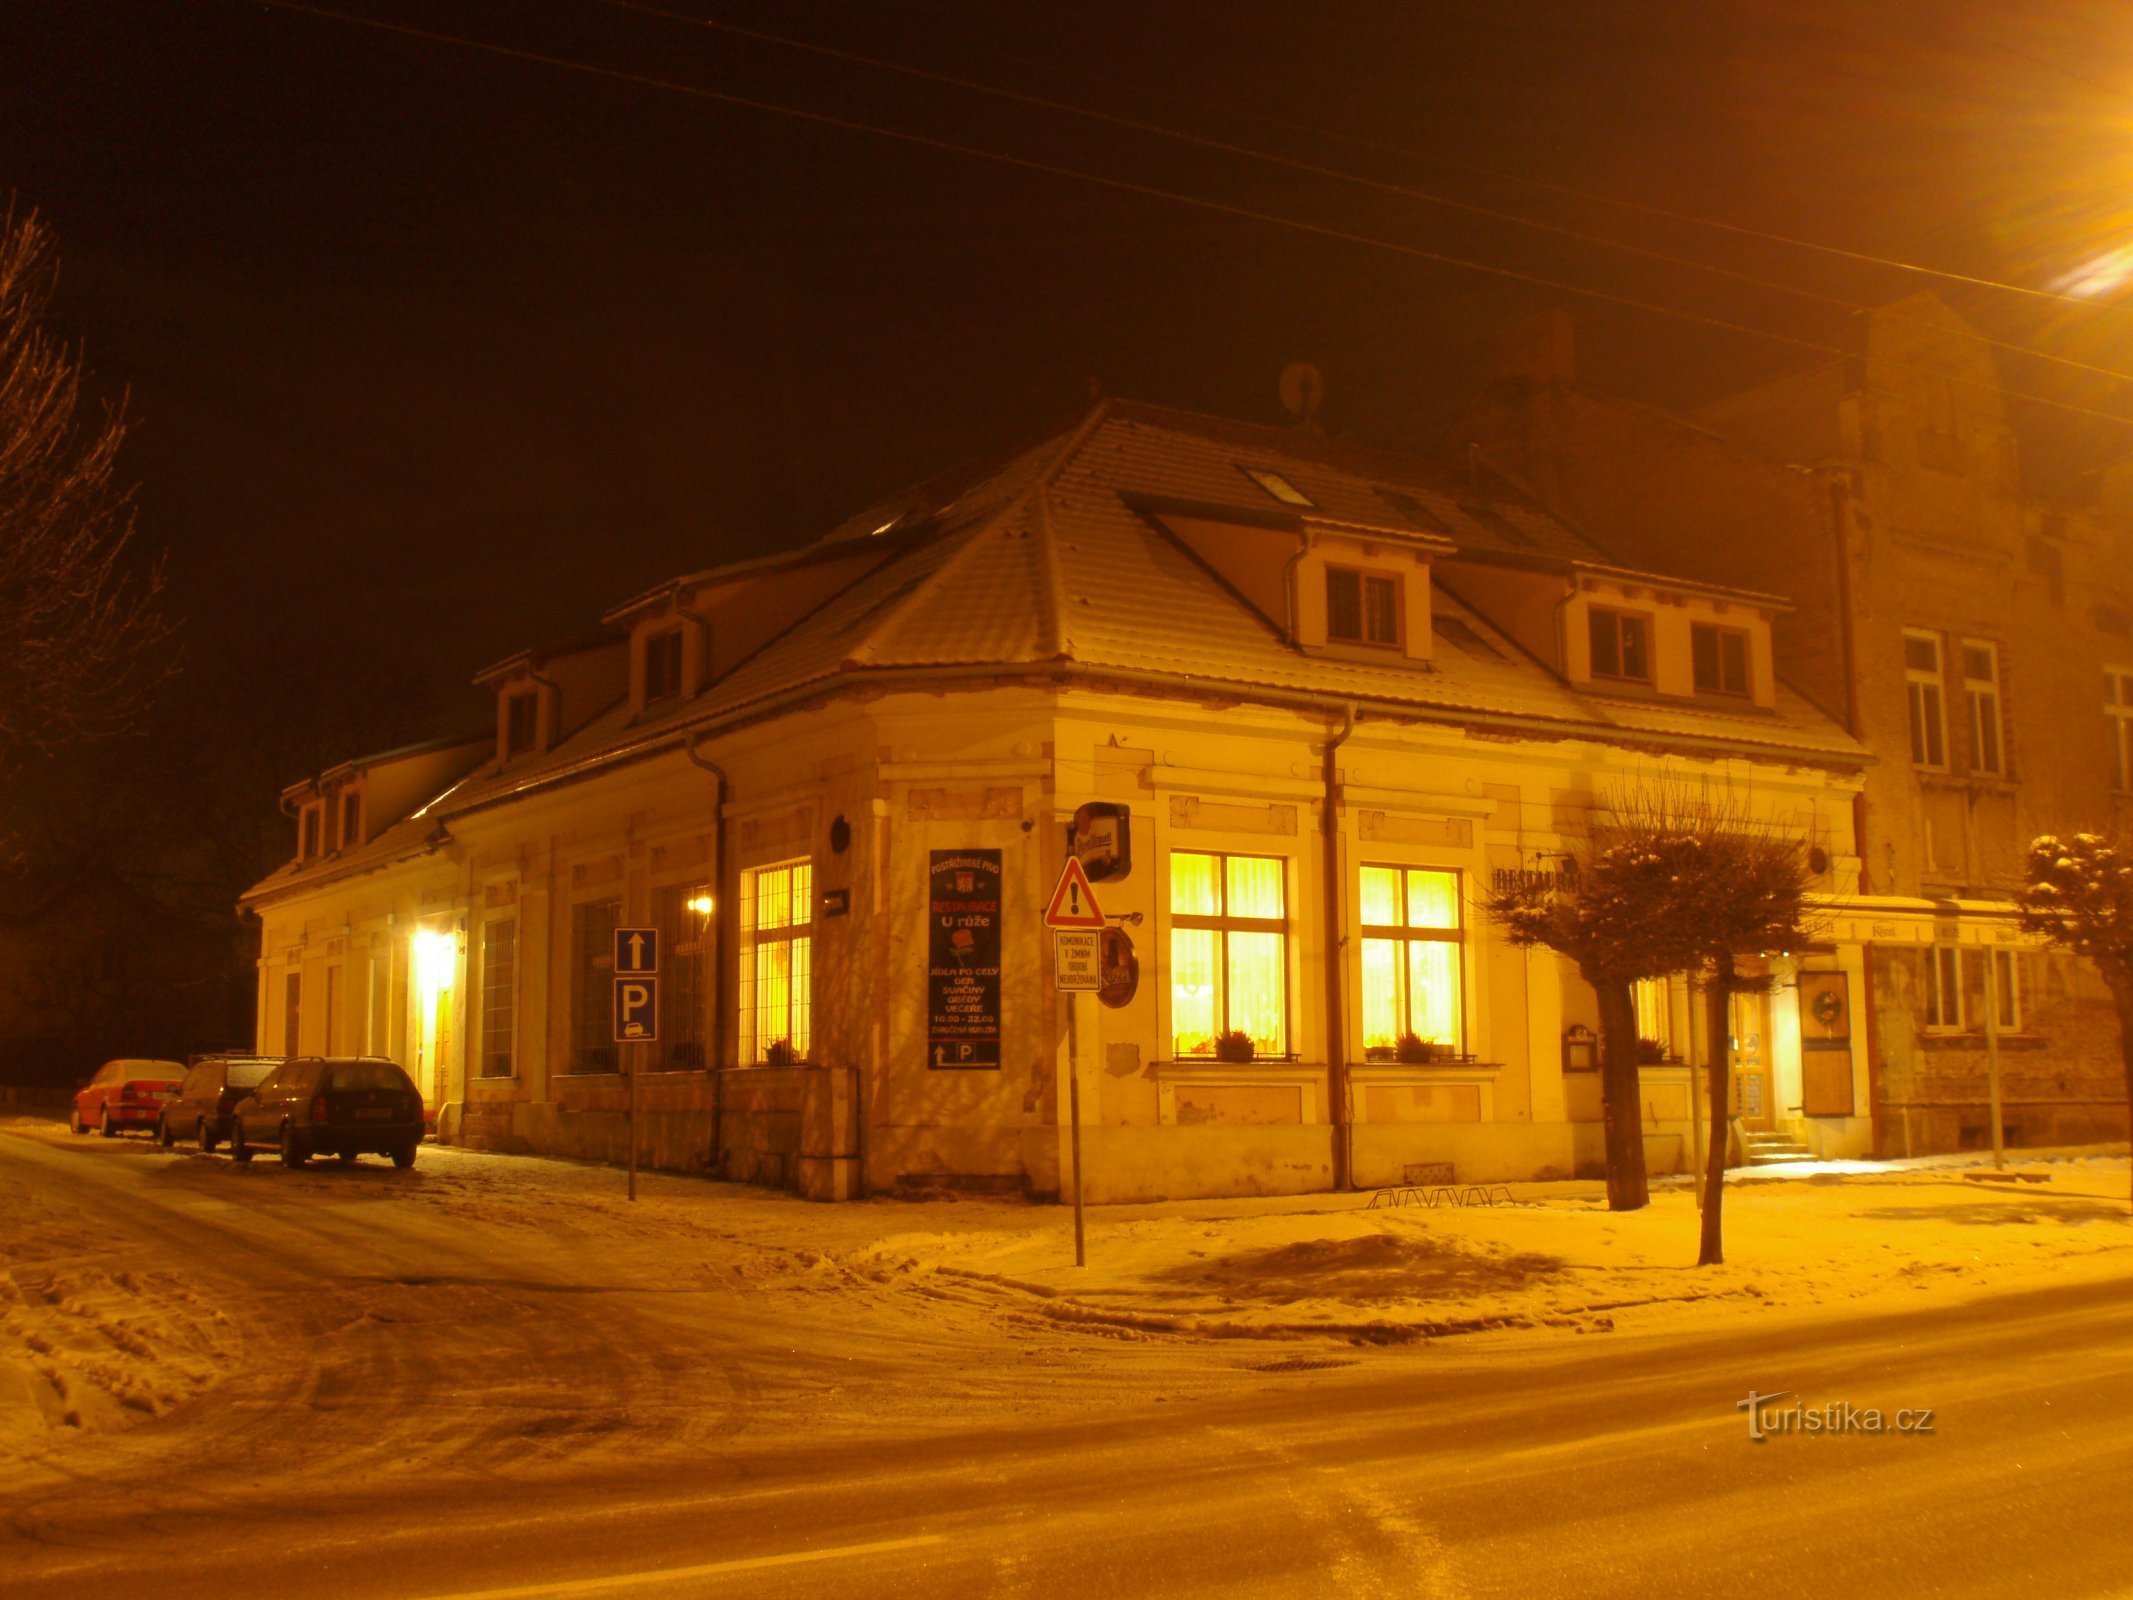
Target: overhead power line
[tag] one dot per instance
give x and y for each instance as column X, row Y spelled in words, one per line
column 1124, row 185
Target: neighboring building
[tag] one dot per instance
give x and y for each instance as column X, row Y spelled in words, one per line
column 1978, row 641
column 1318, row 697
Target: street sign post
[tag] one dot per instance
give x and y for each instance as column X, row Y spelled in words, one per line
column 1077, row 922
column 636, row 1014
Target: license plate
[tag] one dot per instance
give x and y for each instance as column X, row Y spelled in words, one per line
column 374, row 1113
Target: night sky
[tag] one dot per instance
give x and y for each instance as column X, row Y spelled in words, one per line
column 434, row 354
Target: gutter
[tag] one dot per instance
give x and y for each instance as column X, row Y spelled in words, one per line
column 725, row 946
column 1339, row 1087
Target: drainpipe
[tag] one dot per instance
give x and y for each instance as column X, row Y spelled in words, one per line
column 1339, row 1090
column 1288, row 581
column 726, row 945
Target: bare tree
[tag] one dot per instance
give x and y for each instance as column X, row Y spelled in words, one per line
column 2079, row 895
column 82, row 636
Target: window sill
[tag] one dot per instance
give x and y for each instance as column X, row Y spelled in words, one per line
column 1942, row 1039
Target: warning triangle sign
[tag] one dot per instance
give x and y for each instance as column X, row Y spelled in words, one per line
column 1074, row 901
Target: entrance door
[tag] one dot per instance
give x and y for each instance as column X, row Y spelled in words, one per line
column 1750, row 1056
column 435, row 964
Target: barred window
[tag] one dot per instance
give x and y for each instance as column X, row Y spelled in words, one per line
column 499, row 995
column 593, row 961
column 683, row 916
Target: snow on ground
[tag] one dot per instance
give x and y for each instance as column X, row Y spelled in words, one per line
column 100, row 1330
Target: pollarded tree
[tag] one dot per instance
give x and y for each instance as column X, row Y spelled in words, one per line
column 1610, row 913
column 81, row 635
column 2079, row 895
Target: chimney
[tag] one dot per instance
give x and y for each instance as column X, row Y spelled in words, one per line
column 1540, row 349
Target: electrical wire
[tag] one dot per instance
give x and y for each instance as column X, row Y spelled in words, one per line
column 1131, row 186
column 1359, row 180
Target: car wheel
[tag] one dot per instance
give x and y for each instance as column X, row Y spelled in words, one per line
column 292, row 1153
column 404, row 1155
column 207, row 1139
column 74, row 1121
column 240, row 1152
column 164, row 1134
column 104, row 1126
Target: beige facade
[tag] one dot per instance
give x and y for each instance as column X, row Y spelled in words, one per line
column 1333, row 709
column 1972, row 636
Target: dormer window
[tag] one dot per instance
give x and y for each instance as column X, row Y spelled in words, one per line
column 308, row 829
column 1362, row 607
column 1279, row 487
column 351, row 819
column 662, row 665
column 1621, row 645
column 1719, row 659
column 522, row 723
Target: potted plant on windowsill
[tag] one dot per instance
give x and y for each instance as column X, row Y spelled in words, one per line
column 1414, row 1051
column 1651, row 1053
column 780, row 1053
column 1235, row 1045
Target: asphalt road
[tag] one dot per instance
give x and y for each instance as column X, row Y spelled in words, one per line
column 398, row 1454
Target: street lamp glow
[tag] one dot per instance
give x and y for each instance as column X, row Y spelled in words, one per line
column 435, row 954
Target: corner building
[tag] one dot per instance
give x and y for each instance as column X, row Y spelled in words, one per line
column 1313, row 698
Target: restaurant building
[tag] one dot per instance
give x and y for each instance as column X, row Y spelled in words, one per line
column 1294, row 704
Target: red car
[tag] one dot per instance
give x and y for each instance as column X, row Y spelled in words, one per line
column 125, row 1094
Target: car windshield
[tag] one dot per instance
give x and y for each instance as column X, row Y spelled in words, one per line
column 368, row 1075
column 248, row 1074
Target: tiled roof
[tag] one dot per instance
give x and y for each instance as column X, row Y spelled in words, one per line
column 1041, row 561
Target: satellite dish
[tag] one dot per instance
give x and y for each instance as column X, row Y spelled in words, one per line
column 1303, row 391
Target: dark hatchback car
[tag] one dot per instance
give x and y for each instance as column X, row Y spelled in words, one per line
column 337, row 1105
column 212, row 1086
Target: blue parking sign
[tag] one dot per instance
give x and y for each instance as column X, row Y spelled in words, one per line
column 636, row 1010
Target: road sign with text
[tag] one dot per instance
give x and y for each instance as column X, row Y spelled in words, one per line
column 1077, row 959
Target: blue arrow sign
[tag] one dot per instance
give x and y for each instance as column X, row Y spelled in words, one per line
column 636, row 950
column 636, row 1010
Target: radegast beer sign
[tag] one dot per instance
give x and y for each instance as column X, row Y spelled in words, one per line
column 963, row 960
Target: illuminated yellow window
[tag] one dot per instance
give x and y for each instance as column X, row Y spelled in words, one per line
column 1655, row 1018
column 1229, row 951
column 777, row 963
column 1413, row 958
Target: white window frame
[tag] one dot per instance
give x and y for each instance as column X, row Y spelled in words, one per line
column 1619, row 617
column 1223, row 925
column 1720, row 633
column 2118, row 685
column 1403, row 933
column 490, row 1009
column 798, row 934
column 1983, row 704
column 1926, row 690
column 1653, row 1001
column 1949, row 968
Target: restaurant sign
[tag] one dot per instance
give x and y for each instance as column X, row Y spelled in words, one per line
column 963, row 960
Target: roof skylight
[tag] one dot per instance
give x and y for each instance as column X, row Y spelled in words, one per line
column 1278, row 486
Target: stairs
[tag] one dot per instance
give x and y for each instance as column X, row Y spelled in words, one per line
column 1768, row 1149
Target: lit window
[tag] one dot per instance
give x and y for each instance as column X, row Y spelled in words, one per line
column 1654, row 1001
column 1412, row 950
column 683, row 914
column 593, row 960
column 1229, row 951
column 499, row 995
column 777, row 963
column 2118, row 706
column 1922, row 680
column 1719, row 657
column 662, row 665
column 522, row 718
column 1362, row 607
column 1277, row 486
column 1981, row 699
column 351, row 819
column 1621, row 645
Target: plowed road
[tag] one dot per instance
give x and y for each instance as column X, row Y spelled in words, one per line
column 342, row 1383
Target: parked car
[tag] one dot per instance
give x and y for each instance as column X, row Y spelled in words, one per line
column 213, row 1084
column 343, row 1105
column 124, row 1094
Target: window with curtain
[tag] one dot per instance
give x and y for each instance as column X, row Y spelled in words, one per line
column 683, row 915
column 1655, row 1014
column 777, row 963
column 1229, row 951
column 1413, row 944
